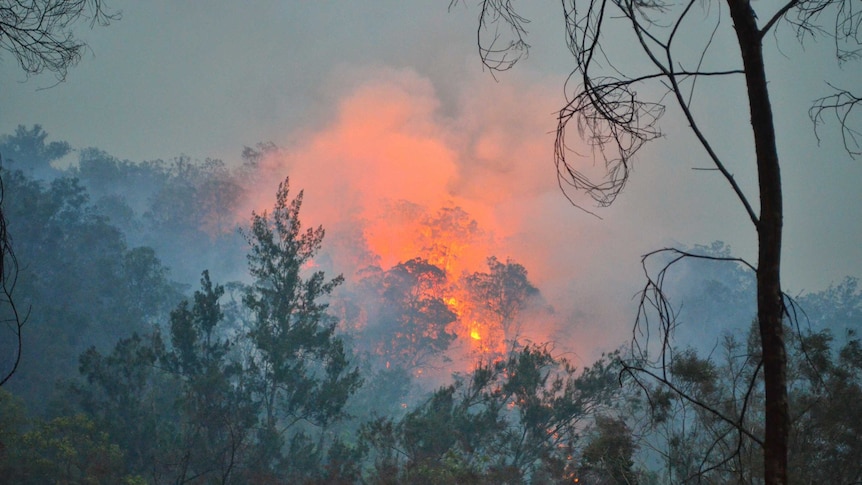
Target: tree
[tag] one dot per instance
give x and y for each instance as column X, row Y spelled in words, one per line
column 706, row 418
column 300, row 370
column 614, row 119
column 122, row 190
column 38, row 33
column 26, row 150
column 517, row 420
column 175, row 206
column 410, row 328
column 67, row 449
column 68, row 253
column 215, row 403
column 85, row 285
column 827, row 431
column 607, row 459
column 195, row 198
column 127, row 396
column 239, row 393
column 503, row 292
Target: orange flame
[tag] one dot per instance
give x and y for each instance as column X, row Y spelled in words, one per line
column 413, row 182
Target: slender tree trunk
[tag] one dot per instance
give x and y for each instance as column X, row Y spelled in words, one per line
column 769, row 299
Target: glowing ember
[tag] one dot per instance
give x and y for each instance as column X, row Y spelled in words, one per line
column 453, row 305
column 474, row 334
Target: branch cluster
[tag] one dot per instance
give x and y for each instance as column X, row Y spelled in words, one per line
column 38, row 33
column 840, row 104
column 610, row 116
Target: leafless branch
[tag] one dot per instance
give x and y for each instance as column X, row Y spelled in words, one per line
column 778, row 15
column 614, row 123
column 500, row 34
column 841, row 105
column 609, row 115
column 38, row 33
column 844, row 29
column 654, row 299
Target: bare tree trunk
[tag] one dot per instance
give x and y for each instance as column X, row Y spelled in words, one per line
column 769, row 227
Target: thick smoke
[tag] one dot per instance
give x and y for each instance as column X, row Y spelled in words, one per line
column 392, row 175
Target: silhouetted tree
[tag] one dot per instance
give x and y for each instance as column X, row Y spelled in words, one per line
column 607, row 458
column 28, row 151
column 615, row 121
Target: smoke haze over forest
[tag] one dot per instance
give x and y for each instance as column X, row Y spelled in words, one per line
column 169, row 151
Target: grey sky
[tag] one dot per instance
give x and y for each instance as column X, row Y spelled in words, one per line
column 206, row 78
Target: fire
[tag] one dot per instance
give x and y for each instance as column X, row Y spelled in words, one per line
column 448, row 237
column 453, row 305
column 415, row 182
column 453, row 241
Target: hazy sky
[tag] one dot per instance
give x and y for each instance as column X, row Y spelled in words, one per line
column 387, row 100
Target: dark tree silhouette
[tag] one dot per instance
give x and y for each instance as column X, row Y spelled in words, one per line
column 612, row 117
